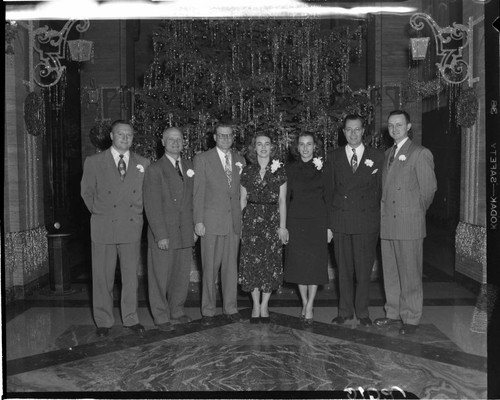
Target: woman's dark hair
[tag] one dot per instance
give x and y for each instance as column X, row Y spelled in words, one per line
column 318, row 151
column 251, row 152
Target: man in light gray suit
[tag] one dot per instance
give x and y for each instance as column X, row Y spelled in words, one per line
column 408, row 187
column 168, row 202
column 217, row 218
column 111, row 188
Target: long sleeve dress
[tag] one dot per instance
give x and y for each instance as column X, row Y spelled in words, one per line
column 306, row 257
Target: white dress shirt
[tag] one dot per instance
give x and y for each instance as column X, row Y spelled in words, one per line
column 359, row 152
column 116, row 157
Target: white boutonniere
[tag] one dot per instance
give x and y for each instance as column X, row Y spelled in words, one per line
column 318, row 163
column 240, row 166
column 140, row 168
column 374, row 171
column 190, row 173
column 275, row 165
column 402, row 157
column 369, row 163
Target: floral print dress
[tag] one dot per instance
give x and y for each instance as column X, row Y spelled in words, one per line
column 261, row 260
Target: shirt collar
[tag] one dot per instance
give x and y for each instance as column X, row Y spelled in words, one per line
column 222, row 155
column 116, row 154
column 359, row 151
column 172, row 159
column 400, row 144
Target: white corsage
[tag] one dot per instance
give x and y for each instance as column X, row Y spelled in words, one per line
column 190, row 173
column 140, row 168
column 375, row 171
column 240, row 166
column 275, row 165
column 402, row 157
column 369, row 163
column 318, row 163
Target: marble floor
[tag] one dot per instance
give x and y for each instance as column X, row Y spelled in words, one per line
column 50, row 349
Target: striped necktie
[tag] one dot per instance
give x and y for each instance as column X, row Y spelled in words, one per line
column 393, row 154
column 227, row 170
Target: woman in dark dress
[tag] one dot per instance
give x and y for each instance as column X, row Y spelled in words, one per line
column 306, row 261
column 263, row 202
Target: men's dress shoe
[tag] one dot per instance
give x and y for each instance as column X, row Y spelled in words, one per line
column 340, row 320
column 102, row 332
column 365, row 321
column 183, row 319
column 265, row 320
column 386, row 321
column 408, row 329
column 165, row 327
column 254, row 320
column 207, row 320
column 236, row 317
column 137, row 328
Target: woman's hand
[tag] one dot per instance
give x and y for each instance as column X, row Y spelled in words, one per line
column 283, row 235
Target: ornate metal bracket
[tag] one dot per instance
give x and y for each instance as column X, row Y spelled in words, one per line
column 50, row 46
column 453, row 68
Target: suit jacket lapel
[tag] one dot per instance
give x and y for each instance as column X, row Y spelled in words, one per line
column 216, row 162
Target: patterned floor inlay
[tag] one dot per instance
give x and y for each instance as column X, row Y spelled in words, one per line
column 282, row 356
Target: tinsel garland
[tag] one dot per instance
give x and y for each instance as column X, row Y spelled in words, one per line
column 467, row 108
column 10, row 35
column 99, row 135
column 34, row 114
column 416, row 90
column 28, row 249
column 470, row 242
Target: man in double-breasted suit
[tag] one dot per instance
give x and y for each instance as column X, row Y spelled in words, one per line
column 111, row 188
column 168, row 202
column 357, row 183
column 408, row 187
column 217, row 217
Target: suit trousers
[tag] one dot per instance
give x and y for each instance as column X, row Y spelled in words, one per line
column 104, row 258
column 168, row 282
column 355, row 255
column 402, row 267
column 219, row 252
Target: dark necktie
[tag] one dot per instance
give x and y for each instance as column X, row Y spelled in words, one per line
column 122, row 168
column 177, row 167
column 227, row 170
column 354, row 160
column 393, row 154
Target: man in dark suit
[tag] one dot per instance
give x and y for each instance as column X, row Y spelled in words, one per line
column 217, row 217
column 356, row 181
column 408, row 187
column 111, row 188
column 168, row 202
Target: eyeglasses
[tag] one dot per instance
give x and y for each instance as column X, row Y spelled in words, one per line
column 225, row 136
column 356, row 130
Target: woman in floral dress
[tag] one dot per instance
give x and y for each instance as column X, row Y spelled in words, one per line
column 263, row 203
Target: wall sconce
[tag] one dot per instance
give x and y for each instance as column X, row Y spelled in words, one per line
column 50, row 46
column 452, row 66
column 418, row 48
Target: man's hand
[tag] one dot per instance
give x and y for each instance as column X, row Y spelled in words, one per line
column 199, row 229
column 163, row 244
column 195, row 236
column 330, row 235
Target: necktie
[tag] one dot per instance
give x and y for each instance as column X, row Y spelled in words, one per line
column 354, row 160
column 227, row 170
column 393, row 153
column 178, row 169
column 122, row 168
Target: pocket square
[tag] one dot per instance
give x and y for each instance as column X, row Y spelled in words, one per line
column 375, row 171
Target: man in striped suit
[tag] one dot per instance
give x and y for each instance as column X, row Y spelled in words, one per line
column 408, row 187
